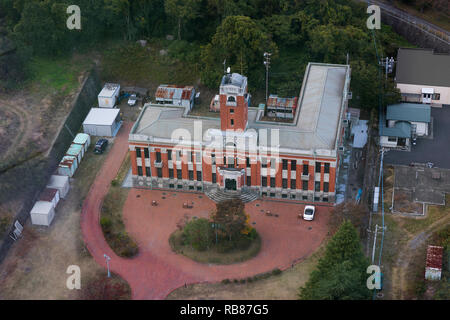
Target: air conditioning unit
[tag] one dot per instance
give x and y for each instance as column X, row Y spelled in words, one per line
column 349, row 95
column 341, row 149
column 345, row 123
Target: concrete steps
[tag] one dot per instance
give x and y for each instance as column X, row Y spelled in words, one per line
column 218, row 195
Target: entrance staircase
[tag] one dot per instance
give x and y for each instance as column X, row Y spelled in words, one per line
column 218, row 195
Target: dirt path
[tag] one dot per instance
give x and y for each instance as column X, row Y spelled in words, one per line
column 400, row 268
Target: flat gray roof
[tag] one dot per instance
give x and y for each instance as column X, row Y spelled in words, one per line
column 423, row 67
column 101, row 116
column 315, row 126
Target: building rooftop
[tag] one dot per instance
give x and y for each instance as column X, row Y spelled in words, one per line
column 275, row 101
column 170, row 92
column 234, row 79
column 101, row 116
column 108, row 90
column 316, row 124
column 414, row 112
column 48, row 194
column 434, row 257
column 423, row 67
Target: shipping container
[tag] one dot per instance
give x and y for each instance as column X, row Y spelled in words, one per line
column 61, row 183
column 76, row 150
column 68, row 166
column 84, row 139
column 42, row 213
column 50, row 195
column 107, row 97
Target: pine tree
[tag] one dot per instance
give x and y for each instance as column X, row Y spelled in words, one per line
column 341, row 272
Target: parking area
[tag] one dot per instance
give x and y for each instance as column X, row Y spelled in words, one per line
column 435, row 150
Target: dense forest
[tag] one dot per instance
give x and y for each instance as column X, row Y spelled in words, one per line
column 236, row 30
column 422, row 5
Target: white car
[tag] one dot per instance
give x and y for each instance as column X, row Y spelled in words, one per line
column 308, row 213
column 132, row 100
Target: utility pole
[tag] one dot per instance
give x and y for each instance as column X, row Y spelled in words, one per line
column 267, row 64
column 374, row 243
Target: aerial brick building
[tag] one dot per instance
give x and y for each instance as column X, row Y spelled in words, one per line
column 238, row 154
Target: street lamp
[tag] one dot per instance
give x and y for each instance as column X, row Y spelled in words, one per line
column 107, row 264
column 267, row 64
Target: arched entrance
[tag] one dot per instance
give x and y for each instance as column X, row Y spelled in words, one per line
column 230, row 184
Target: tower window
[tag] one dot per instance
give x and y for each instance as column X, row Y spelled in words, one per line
column 231, row 111
column 232, row 122
column 231, row 99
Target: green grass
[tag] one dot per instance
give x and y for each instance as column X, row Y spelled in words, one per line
column 212, row 255
column 56, row 74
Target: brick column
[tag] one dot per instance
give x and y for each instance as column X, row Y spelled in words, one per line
column 133, row 162
column 311, row 181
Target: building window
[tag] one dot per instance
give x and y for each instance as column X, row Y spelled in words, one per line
column 293, row 165
column 325, row 199
column 392, row 139
column 231, row 111
column 326, row 186
column 285, row 164
column 273, row 163
column 191, row 156
column 305, row 169
column 284, row 183
column 191, row 175
column 147, row 171
column 232, row 122
column 169, row 154
column 191, row 187
column 304, row 197
column 264, row 181
column 326, row 168
column 247, row 161
column 224, row 160
column 214, row 178
column 293, row 184
column 292, row 196
column 213, row 158
column 171, row 186
column 284, row 195
column 159, row 172
column 272, row 195
column 305, row 185
column 317, row 186
column 138, row 152
column 146, row 153
column 249, row 181
column 158, row 156
column 272, row 182
column 318, row 165
column 231, row 99
column 263, row 163
column 139, row 171
column 199, row 176
column 179, row 155
column 437, row 96
column 179, row 175
column 171, row 173
column 180, row 186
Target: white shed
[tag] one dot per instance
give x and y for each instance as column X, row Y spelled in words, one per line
column 50, row 195
column 107, row 97
column 102, row 122
column 42, row 213
column 61, row 183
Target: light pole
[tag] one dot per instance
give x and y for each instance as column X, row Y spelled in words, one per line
column 267, row 64
column 107, row 264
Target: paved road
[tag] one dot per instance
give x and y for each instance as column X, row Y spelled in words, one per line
column 157, row 271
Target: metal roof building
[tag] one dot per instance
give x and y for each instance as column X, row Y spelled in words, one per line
column 433, row 266
column 413, row 112
column 423, row 67
column 102, row 122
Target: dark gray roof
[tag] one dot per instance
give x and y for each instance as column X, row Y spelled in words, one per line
column 413, row 112
column 423, row 67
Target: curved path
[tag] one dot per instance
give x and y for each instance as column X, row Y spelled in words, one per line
column 157, row 271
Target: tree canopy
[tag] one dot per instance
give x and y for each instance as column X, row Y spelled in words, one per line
column 341, row 273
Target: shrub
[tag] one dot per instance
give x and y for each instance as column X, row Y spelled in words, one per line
column 226, row 281
column 106, row 224
column 242, row 281
column 276, row 271
column 198, row 233
column 115, row 183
